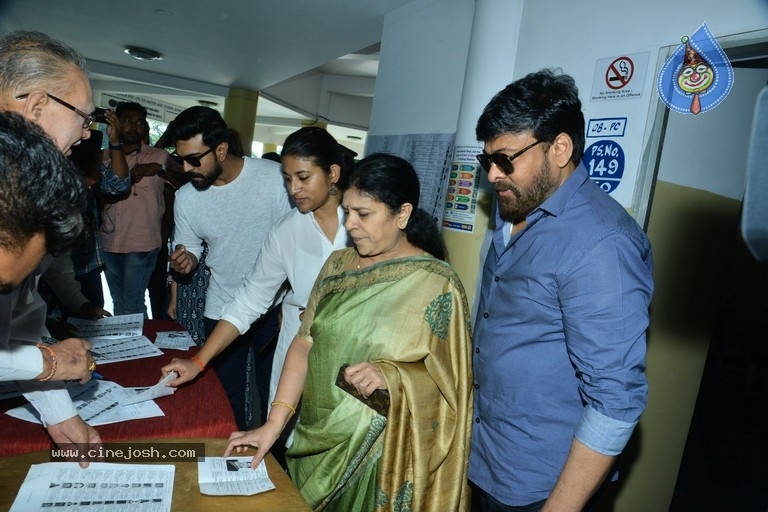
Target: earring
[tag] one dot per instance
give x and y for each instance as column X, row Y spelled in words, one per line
column 333, row 189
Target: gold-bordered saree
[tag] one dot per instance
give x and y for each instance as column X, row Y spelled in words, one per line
column 410, row 317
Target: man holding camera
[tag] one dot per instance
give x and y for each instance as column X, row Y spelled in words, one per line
column 131, row 226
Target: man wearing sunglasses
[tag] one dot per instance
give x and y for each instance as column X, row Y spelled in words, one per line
column 559, row 359
column 47, row 83
column 131, row 227
column 230, row 203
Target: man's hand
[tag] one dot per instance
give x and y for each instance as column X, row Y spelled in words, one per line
column 78, row 433
column 182, row 261
column 141, row 170
column 73, row 360
column 91, row 311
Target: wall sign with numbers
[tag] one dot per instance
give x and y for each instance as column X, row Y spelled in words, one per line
column 604, row 161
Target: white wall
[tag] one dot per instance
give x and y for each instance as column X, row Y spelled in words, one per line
column 560, row 33
column 421, row 70
column 347, row 100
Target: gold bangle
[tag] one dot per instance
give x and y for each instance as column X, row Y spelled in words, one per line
column 284, row 404
column 199, row 363
column 54, row 363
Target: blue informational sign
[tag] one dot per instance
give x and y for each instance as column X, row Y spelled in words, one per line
column 604, row 161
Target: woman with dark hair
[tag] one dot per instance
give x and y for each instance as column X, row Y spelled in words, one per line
column 390, row 431
column 294, row 250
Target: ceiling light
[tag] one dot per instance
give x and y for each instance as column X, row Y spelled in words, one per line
column 207, row 103
column 143, row 53
column 354, row 137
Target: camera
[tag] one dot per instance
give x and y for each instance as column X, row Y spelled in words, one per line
column 99, row 115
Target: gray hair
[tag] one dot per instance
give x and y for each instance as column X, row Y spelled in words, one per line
column 32, row 61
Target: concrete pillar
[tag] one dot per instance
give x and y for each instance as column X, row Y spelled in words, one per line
column 490, row 62
column 240, row 114
column 269, row 148
column 314, row 122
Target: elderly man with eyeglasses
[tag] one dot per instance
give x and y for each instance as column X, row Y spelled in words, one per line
column 47, row 83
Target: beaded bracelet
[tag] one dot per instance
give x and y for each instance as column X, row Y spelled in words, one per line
column 53, row 361
column 199, row 362
column 284, row 404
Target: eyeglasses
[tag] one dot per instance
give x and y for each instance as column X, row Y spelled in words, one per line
column 193, row 160
column 88, row 117
column 502, row 161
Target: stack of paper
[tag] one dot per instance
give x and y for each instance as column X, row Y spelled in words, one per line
column 100, row 402
column 103, row 486
column 116, row 338
column 175, row 340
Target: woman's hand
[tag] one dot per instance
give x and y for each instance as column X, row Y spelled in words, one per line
column 172, row 291
column 366, row 377
column 186, row 369
column 171, row 310
column 261, row 439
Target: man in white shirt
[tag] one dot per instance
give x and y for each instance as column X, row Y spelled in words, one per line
column 47, row 83
column 230, row 203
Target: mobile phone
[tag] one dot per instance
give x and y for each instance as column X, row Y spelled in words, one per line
column 378, row 401
column 99, row 115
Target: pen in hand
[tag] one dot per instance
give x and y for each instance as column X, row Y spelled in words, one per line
column 48, row 340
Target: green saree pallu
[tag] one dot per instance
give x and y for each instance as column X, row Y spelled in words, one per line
column 410, row 317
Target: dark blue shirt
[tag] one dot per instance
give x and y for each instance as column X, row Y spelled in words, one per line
column 559, row 342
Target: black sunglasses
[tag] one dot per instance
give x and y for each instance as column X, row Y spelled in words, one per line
column 502, row 161
column 88, row 118
column 193, row 160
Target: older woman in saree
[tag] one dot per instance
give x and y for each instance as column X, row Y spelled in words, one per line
column 394, row 310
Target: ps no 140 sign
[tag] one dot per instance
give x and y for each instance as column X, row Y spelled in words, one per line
column 604, row 161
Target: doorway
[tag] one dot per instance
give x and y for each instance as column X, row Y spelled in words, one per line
column 723, row 464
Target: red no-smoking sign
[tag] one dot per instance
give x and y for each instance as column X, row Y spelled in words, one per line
column 619, row 73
